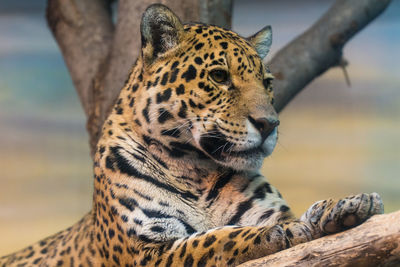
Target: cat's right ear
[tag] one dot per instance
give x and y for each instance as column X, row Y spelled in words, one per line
column 161, row 30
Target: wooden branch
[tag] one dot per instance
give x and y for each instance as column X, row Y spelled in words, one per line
column 374, row 243
column 216, row 12
column 83, row 29
column 320, row 47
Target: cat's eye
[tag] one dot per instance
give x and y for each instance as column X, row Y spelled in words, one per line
column 219, row 76
column 267, row 82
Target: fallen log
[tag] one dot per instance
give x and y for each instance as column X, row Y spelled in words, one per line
column 374, row 243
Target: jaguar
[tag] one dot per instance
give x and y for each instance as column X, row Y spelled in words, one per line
column 176, row 171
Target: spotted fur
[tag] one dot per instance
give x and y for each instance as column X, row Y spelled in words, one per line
column 176, row 171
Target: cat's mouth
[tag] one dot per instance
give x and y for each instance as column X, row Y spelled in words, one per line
column 222, row 151
column 243, row 153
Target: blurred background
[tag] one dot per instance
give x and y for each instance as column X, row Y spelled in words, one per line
column 334, row 140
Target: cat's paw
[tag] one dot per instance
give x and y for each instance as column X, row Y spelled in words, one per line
column 350, row 212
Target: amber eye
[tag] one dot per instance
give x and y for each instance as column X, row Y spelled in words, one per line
column 267, row 82
column 220, row 76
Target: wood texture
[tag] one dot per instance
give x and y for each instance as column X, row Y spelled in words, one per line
column 374, row 243
column 320, row 47
column 83, row 30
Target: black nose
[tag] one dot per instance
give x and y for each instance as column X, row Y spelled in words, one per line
column 264, row 126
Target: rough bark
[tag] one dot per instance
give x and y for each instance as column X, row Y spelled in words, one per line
column 320, row 47
column 374, row 243
column 218, row 12
column 83, row 29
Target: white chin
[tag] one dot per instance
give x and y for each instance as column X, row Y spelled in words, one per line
column 252, row 161
column 242, row 164
column 270, row 142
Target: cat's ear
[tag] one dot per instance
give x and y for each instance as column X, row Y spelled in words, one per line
column 161, row 30
column 262, row 41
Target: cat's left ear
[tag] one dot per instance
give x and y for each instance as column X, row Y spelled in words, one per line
column 262, row 41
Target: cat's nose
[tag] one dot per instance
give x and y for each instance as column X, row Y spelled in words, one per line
column 265, row 126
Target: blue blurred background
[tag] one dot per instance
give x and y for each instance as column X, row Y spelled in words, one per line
column 335, row 140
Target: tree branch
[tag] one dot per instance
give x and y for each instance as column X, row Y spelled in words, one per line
column 374, row 243
column 217, row 12
column 83, row 29
column 320, row 47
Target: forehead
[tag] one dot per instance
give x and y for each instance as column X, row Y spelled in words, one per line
column 221, row 43
column 206, row 38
